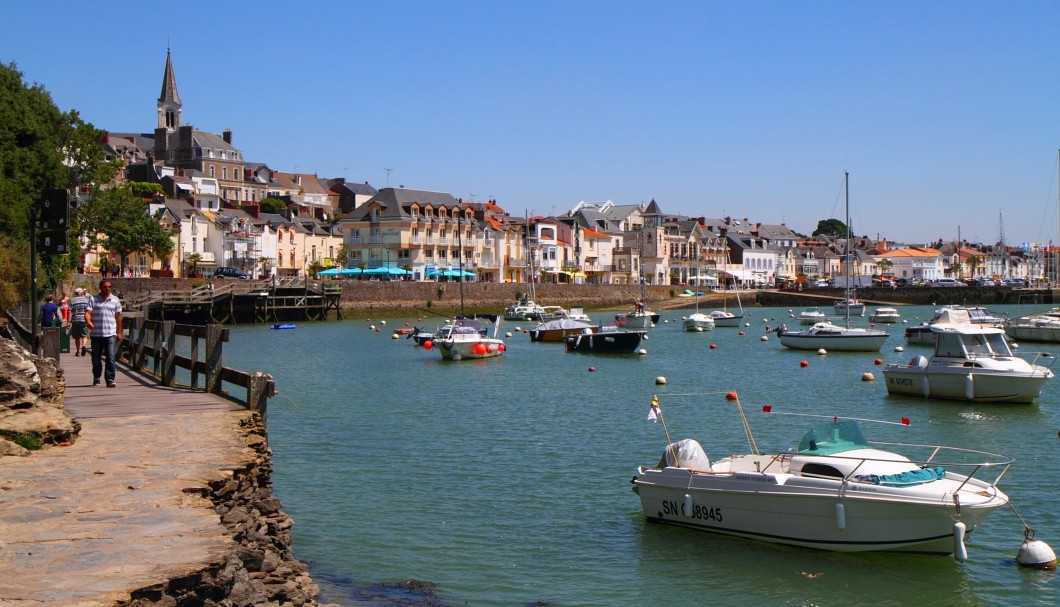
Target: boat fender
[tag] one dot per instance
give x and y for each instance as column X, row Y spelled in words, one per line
column 927, row 387
column 960, row 551
column 969, row 387
column 1035, row 554
column 840, row 516
column 687, row 508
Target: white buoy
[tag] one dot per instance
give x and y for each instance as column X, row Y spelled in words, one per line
column 687, row 509
column 518, row 330
column 1014, row 346
column 382, row 322
column 822, row 351
column 508, row 334
column 699, row 329
column 660, row 381
column 1036, row 554
column 456, row 356
column 960, row 551
column 904, row 321
column 899, row 349
column 646, row 335
column 840, row 516
column 371, row 327
column 868, row 376
column 395, row 336
column 642, row 351
column 765, row 338
column 747, row 324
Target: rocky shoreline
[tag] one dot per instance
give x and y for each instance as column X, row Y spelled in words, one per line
column 258, row 570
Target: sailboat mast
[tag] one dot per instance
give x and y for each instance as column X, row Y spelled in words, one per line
column 846, row 247
column 460, row 252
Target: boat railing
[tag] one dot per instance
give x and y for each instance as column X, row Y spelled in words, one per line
column 983, row 460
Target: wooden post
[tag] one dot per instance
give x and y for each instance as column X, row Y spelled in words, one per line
column 49, row 342
column 259, row 388
column 169, row 341
column 214, row 337
column 139, row 336
column 195, row 359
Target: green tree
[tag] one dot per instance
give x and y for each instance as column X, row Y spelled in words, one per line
column 272, row 205
column 40, row 147
column 830, row 227
column 974, row 263
column 118, row 220
column 145, row 189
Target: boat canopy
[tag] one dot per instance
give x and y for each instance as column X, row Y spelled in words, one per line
column 687, row 453
column 834, row 437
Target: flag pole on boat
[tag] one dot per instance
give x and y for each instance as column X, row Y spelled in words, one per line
column 655, row 414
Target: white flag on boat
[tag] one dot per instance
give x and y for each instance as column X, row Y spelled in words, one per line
column 654, row 411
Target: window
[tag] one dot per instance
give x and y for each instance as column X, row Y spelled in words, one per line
column 213, row 170
column 224, row 173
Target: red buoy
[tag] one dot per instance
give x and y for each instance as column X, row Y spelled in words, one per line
column 804, row 364
column 427, row 345
column 713, row 346
column 731, row 395
column 879, row 361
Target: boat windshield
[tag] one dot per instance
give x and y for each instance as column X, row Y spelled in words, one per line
column 833, row 437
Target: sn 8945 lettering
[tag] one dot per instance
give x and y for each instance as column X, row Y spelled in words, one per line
column 704, row 513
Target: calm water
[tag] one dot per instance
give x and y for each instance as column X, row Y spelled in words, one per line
column 506, row 481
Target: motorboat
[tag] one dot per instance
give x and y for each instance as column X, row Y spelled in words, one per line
column 724, row 318
column 811, row 316
column 559, row 329
column 609, row 339
column 462, row 339
column 972, row 363
column 886, row 315
column 833, row 337
column 836, row 491
column 951, row 315
column 849, row 306
column 523, row 309
column 698, row 322
column 1042, row 327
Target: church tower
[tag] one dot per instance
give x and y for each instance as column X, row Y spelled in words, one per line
column 169, row 105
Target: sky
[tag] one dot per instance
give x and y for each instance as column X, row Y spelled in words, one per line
column 945, row 114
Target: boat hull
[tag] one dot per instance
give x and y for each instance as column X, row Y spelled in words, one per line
column 622, row 342
column 698, row 323
column 559, row 334
column 956, row 383
column 469, row 349
column 809, row 512
column 726, row 319
column 850, row 342
column 637, row 320
column 1045, row 335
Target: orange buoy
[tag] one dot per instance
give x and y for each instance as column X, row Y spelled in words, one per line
column 731, row 395
column 501, row 348
column 591, row 369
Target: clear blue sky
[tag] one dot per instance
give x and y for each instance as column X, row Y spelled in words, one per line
column 946, row 114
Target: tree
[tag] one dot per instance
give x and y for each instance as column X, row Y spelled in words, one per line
column 830, row 227
column 118, row 220
column 272, row 205
column 974, row 262
column 884, row 265
column 40, row 147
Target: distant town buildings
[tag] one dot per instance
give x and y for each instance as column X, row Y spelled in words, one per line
column 227, row 211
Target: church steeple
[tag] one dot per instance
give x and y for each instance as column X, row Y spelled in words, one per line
column 169, row 105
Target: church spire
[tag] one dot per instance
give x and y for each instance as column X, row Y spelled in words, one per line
column 169, row 105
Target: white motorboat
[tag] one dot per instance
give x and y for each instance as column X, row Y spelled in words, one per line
column 523, row 309
column 1042, row 327
column 833, row 337
column 885, row 314
column 559, row 329
column 849, row 306
column 811, row 316
column 724, row 318
column 462, row 339
column 972, row 363
column 698, row 322
column 975, row 316
column 640, row 317
column 837, row 492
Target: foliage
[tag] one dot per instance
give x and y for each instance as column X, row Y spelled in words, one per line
column 145, row 189
column 272, row 205
column 831, row 227
column 315, row 267
column 27, row 440
column 118, row 220
column 40, row 147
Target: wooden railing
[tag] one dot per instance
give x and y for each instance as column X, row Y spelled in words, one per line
column 150, row 347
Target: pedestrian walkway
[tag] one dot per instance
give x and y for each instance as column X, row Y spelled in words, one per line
column 122, row 508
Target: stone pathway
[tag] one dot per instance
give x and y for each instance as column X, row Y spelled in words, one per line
column 119, row 510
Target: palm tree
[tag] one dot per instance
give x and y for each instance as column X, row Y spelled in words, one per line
column 194, row 259
column 955, row 268
column 974, row 262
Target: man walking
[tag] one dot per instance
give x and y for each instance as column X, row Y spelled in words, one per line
column 103, row 318
column 78, row 329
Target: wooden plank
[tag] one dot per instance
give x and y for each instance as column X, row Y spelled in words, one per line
column 134, row 394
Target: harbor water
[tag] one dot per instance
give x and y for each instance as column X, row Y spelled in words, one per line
column 507, row 481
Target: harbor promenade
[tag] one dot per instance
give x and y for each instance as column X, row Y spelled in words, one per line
column 124, row 508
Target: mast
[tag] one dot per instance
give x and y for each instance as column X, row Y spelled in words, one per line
column 846, row 247
column 460, row 252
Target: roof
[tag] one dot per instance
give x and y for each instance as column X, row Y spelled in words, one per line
column 914, row 252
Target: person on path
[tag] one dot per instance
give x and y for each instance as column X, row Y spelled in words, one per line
column 78, row 329
column 49, row 312
column 64, row 309
column 103, row 318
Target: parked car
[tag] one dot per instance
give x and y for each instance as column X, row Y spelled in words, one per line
column 948, row 282
column 230, row 273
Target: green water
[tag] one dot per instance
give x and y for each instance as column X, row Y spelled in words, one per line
column 506, row 481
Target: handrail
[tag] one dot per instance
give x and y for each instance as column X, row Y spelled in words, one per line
column 150, row 348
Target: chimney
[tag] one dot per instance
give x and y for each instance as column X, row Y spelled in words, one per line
column 227, row 136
